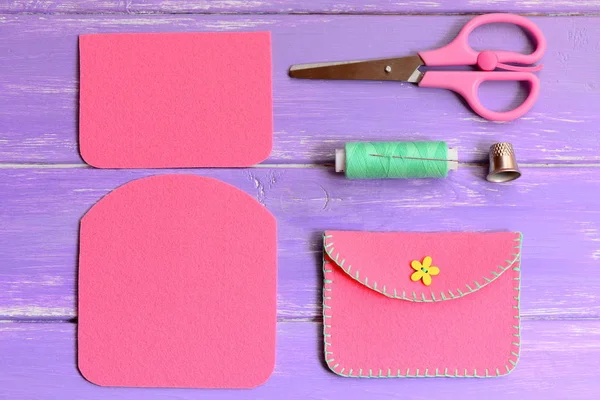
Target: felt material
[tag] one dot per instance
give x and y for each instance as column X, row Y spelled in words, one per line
column 380, row 323
column 177, row 286
column 162, row 100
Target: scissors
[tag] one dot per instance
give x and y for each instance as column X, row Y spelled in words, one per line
column 457, row 52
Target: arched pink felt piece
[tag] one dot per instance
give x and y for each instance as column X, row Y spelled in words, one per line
column 381, row 322
column 177, row 286
column 158, row 100
column 467, row 83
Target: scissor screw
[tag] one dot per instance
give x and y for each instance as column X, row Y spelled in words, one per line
column 388, row 69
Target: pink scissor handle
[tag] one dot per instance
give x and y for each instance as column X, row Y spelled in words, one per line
column 466, row 84
column 459, row 52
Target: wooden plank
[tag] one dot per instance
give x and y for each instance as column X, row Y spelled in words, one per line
column 559, row 360
column 39, row 81
column 555, row 208
column 297, row 6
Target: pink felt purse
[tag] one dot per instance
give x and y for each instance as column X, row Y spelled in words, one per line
column 421, row 304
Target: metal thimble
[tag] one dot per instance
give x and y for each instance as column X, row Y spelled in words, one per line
column 503, row 164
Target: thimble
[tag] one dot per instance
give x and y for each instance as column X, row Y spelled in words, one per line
column 503, row 164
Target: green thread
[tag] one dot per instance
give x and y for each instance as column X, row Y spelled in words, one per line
column 373, row 160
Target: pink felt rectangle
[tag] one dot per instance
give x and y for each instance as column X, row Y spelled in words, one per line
column 158, row 100
column 381, row 323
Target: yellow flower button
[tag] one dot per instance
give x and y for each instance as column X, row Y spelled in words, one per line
column 423, row 270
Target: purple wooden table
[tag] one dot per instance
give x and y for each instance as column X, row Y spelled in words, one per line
column 45, row 187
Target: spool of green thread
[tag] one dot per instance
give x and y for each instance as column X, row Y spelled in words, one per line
column 377, row 160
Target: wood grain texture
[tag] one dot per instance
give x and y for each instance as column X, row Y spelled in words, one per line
column 298, row 6
column 556, row 208
column 559, row 360
column 39, row 85
column 40, row 211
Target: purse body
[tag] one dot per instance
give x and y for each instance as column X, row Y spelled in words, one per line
column 380, row 323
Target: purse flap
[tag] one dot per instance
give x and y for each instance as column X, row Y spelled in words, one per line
column 423, row 267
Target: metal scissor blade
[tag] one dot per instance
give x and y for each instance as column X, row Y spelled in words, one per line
column 387, row 69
